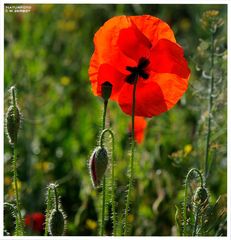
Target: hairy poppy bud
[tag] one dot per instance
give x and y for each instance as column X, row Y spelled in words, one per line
column 13, row 118
column 56, row 223
column 106, row 89
column 201, row 196
column 98, row 165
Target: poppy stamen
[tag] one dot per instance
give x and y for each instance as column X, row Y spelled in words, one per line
column 143, row 63
column 138, row 71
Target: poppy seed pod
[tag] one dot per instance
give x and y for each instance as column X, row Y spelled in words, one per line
column 56, row 223
column 13, row 118
column 201, row 196
column 98, row 165
column 106, row 89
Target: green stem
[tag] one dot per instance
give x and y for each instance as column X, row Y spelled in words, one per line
column 112, row 176
column 49, row 206
column 103, row 207
column 131, row 165
column 56, row 199
column 186, row 193
column 15, row 179
column 19, row 228
column 196, row 220
column 104, row 179
column 104, row 114
column 210, row 105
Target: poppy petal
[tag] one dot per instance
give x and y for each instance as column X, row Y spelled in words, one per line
column 149, row 99
column 139, row 128
column 107, row 50
column 133, row 43
column 153, row 28
column 172, row 86
column 106, row 47
column 119, row 45
column 168, row 57
column 108, row 73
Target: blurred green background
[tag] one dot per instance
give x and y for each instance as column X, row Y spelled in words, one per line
column 47, row 54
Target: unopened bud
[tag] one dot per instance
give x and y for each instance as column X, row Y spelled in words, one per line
column 201, row 196
column 98, row 165
column 106, row 89
column 13, row 118
column 56, row 223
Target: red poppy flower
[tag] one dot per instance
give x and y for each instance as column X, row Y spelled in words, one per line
column 139, row 129
column 35, row 221
column 143, row 47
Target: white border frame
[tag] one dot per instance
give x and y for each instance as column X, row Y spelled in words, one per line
column 2, row 2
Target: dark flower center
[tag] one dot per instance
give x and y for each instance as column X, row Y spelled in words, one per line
column 138, row 71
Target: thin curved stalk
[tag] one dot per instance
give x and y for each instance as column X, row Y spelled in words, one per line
column 210, row 105
column 102, row 223
column 19, row 224
column 186, row 193
column 196, row 220
column 112, row 176
column 131, row 165
column 48, row 209
column 56, row 199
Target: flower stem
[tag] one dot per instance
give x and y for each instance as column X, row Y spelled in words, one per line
column 56, row 199
column 19, row 228
column 210, row 105
column 48, row 209
column 104, row 179
column 112, row 176
column 196, row 220
column 186, row 194
column 131, row 165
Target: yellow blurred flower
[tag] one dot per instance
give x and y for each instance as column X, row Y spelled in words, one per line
column 47, row 7
column 19, row 185
column 69, row 11
column 211, row 13
column 179, row 155
column 185, row 24
column 10, row 193
column 65, row 80
column 91, row 224
column 43, row 166
column 187, row 149
column 72, row 13
column 67, row 26
column 7, row 180
column 210, row 19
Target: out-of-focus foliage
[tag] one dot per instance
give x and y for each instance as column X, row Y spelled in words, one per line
column 47, row 52
column 211, row 94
